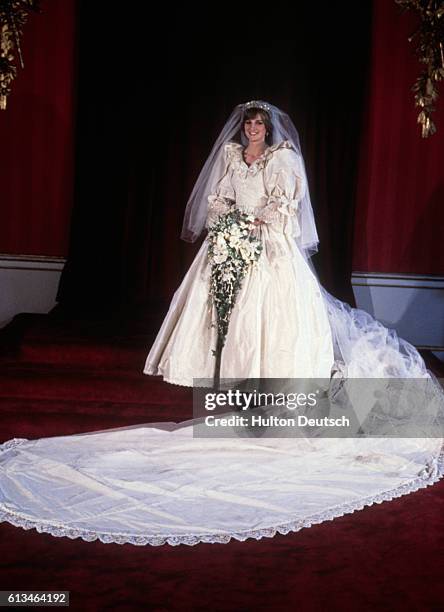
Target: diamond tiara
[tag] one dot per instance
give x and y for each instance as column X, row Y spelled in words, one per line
column 257, row 104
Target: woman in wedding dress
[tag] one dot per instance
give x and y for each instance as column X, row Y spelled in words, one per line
column 279, row 326
column 160, row 483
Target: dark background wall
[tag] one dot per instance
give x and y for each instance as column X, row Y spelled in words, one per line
column 114, row 115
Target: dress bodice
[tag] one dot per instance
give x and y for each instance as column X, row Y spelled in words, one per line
column 248, row 181
column 269, row 188
column 250, row 191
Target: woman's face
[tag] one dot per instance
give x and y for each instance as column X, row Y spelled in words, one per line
column 255, row 129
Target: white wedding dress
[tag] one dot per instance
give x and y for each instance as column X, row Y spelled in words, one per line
column 162, row 483
column 279, row 326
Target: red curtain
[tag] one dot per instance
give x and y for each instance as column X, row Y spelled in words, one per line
column 36, row 136
column 400, row 204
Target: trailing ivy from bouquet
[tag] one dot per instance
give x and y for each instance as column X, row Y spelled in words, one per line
column 233, row 249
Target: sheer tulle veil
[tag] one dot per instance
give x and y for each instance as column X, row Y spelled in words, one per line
column 282, row 129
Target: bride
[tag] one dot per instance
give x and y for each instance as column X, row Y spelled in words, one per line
column 160, row 483
column 279, row 326
column 284, row 323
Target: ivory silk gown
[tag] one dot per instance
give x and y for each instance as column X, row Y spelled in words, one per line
column 279, row 326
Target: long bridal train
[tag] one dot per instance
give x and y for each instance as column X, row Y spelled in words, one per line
column 157, row 484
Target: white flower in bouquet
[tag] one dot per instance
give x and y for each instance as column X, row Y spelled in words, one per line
column 220, row 253
column 228, row 276
column 235, row 236
column 246, row 252
column 233, row 249
column 235, row 241
column 235, row 230
column 220, row 241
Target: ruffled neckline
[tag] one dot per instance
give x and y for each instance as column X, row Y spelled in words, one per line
column 235, row 152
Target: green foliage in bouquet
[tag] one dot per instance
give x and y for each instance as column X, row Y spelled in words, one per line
column 233, row 249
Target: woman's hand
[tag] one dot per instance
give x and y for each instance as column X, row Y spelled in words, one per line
column 258, row 221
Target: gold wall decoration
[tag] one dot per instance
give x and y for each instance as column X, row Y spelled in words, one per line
column 429, row 50
column 13, row 16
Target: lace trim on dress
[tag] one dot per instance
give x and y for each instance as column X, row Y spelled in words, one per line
column 234, row 156
column 277, row 205
column 217, row 206
column 431, row 474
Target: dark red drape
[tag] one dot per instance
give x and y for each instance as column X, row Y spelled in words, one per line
column 36, row 134
column 399, row 211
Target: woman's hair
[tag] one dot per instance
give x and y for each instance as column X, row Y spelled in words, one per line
column 250, row 113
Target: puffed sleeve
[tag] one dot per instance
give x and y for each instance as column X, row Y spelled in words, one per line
column 220, row 201
column 285, row 187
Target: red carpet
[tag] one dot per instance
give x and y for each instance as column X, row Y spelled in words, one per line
column 62, row 377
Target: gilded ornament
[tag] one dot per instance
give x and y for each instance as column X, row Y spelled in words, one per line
column 429, row 50
column 13, row 16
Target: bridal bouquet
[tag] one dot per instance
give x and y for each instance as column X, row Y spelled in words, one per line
column 232, row 250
